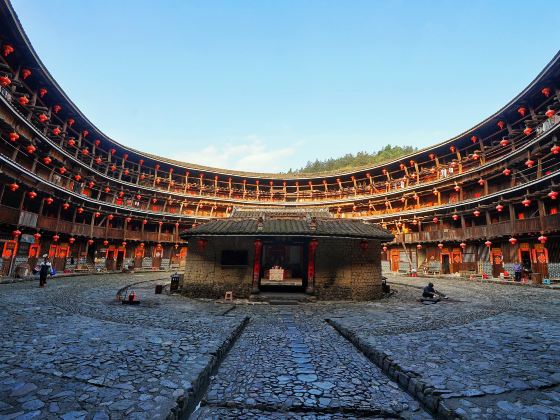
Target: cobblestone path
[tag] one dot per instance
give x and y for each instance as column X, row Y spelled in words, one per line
column 289, row 363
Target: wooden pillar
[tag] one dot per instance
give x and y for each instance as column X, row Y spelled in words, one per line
column 312, row 247
column 257, row 265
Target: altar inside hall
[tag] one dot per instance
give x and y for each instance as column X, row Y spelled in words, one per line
column 283, row 264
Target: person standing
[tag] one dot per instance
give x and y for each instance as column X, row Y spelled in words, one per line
column 517, row 270
column 44, row 270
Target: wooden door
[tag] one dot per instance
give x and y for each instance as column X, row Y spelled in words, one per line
column 62, row 253
column 110, row 258
column 33, row 256
column 456, row 260
column 445, row 263
column 540, row 260
column 138, row 257
column 157, row 257
column 8, row 253
column 395, row 258
column 183, row 257
column 497, row 262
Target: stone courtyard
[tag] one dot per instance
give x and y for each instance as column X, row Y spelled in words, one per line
column 72, row 351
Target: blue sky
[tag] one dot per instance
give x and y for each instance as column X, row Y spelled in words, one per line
column 268, row 85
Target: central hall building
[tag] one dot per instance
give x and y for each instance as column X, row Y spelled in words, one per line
column 290, row 250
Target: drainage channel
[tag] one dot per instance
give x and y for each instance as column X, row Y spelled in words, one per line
column 189, row 403
column 290, row 363
column 408, row 381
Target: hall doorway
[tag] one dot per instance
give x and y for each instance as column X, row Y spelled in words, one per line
column 283, row 267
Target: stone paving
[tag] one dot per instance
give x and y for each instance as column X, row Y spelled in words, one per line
column 289, row 360
column 490, row 351
column 71, row 351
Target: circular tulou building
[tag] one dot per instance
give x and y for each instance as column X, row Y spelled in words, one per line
column 475, row 204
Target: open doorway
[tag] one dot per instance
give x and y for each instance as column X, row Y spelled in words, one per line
column 445, row 269
column 283, row 267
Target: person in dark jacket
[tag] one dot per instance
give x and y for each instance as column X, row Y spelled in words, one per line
column 44, row 270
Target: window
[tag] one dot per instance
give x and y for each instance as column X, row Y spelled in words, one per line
column 234, row 258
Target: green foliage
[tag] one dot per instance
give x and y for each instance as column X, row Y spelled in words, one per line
column 351, row 161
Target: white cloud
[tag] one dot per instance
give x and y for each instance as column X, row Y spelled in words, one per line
column 250, row 154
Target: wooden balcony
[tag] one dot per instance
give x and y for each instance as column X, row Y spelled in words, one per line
column 9, row 215
column 550, row 223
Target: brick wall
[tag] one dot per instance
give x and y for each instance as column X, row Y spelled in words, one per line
column 344, row 271
column 205, row 276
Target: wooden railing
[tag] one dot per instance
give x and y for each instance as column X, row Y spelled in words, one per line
column 500, row 229
column 9, row 215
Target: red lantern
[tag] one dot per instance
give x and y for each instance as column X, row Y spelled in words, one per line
column 145, row 221
column 475, row 156
column 121, row 194
column 542, row 239
column 23, row 100
column 16, row 233
column 476, row 213
column 126, row 171
column 457, row 188
column 528, row 131
column 435, row 220
column 474, row 139
column 553, row 195
column 157, row 169
column 501, row 124
column 504, row 142
column 71, row 122
column 37, row 236
column 25, row 73
column 113, row 168
column 80, row 210
column 77, row 177
column 142, row 176
column 555, row 149
column 56, row 131
column 481, row 182
column 124, row 244
column 49, row 200
column 31, row 149
column 530, row 163
column 72, row 240
column 98, row 160
column 65, row 206
column 499, row 208
column 56, row 238
column 42, row 92
column 125, row 157
column 385, row 249
column 128, row 220
column 13, row 136
column 512, row 241
column 5, row 81
column 440, row 245
column 43, row 118
column 85, row 133
column 522, row 111
column 506, row 172
column 550, row 113
column 455, row 217
column 142, row 245
column 488, row 244
column 419, row 246
column 97, row 214
column 138, row 196
column 141, row 162
column 546, row 92
column 113, row 151
column 160, row 223
column 7, row 49
column 56, row 109
column 71, row 142
column 13, row 187
column 452, row 148
column 91, row 184
column 105, row 242
column 463, row 245
column 432, row 156
column 107, row 189
column 62, row 170
column 526, row 202
column 85, row 151
column 90, row 242
column 97, row 142
column 110, row 217
column 32, row 194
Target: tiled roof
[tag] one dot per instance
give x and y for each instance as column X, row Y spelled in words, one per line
column 319, row 227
